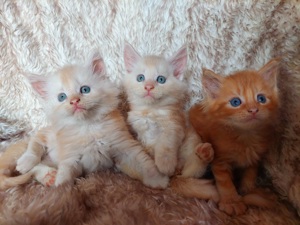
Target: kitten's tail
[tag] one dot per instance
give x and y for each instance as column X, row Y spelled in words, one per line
column 192, row 187
column 260, row 198
column 206, row 189
column 8, row 182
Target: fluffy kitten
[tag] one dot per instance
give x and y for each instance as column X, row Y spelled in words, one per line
column 237, row 117
column 87, row 132
column 156, row 93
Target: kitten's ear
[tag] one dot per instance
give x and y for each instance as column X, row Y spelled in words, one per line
column 270, row 72
column 211, row 82
column 39, row 84
column 97, row 64
column 131, row 57
column 179, row 61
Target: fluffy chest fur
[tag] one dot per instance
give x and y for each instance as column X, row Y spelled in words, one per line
column 150, row 125
column 239, row 148
column 89, row 141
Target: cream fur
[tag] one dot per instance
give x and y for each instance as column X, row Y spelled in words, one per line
column 41, row 36
column 90, row 138
column 156, row 110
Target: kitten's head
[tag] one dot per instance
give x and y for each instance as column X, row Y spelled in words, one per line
column 244, row 99
column 77, row 93
column 154, row 80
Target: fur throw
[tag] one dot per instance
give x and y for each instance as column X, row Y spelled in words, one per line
column 225, row 36
column 110, row 198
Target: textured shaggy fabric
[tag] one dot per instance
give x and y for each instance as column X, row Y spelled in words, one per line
column 109, row 198
column 225, row 36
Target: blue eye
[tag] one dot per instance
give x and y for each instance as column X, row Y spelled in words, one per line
column 140, row 78
column 61, row 97
column 261, row 98
column 235, row 102
column 85, row 89
column 161, row 79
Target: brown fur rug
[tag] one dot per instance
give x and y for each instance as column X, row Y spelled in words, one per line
column 113, row 198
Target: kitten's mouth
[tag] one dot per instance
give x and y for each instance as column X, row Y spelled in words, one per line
column 252, row 119
column 78, row 108
column 148, row 95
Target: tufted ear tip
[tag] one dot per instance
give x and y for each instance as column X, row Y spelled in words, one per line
column 270, row 71
column 179, row 62
column 97, row 63
column 131, row 57
column 38, row 83
column 211, row 82
column 98, row 66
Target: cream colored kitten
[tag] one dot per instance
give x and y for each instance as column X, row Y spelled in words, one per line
column 156, row 93
column 87, row 132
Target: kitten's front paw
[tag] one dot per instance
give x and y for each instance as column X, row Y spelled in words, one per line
column 166, row 164
column 63, row 177
column 154, row 179
column 59, row 181
column 205, row 152
column 233, row 206
column 26, row 162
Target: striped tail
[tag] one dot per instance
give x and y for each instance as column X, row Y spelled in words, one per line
column 260, row 198
column 195, row 188
column 8, row 182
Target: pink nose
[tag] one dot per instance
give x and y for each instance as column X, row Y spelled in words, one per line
column 75, row 101
column 253, row 111
column 149, row 87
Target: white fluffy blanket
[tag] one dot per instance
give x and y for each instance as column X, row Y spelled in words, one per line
column 225, row 36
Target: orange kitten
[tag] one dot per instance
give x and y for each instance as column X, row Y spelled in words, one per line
column 87, row 132
column 237, row 117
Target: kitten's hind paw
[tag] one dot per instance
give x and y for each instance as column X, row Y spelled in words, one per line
column 205, row 152
column 49, row 178
column 26, row 162
column 44, row 174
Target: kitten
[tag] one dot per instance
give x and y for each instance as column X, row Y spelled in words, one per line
column 237, row 117
column 87, row 132
column 156, row 94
